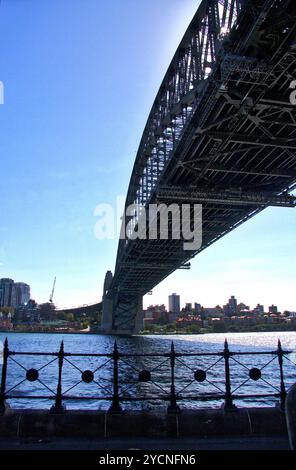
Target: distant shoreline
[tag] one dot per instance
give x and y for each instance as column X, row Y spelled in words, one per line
column 51, row 332
column 159, row 333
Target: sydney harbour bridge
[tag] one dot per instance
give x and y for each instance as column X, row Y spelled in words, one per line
column 221, row 133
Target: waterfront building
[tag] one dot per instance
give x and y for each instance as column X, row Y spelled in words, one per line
column 189, row 320
column 7, row 293
column 231, row 307
column 212, row 312
column 23, row 293
column 28, row 313
column 242, row 307
column 232, row 304
column 148, row 313
column 197, row 307
column 6, row 321
column 13, row 294
column 157, row 314
column 259, row 309
column 174, row 303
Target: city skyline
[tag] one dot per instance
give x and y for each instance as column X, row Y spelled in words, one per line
column 62, row 108
column 19, row 293
column 221, row 304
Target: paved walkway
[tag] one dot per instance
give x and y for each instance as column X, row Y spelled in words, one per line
column 235, row 443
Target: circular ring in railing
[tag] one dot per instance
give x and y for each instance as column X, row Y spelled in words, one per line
column 255, row 374
column 144, row 376
column 87, row 376
column 32, row 375
column 200, row 375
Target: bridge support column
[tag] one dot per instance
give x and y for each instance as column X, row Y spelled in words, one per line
column 139, row 320
column 122, row 311
column 107, row 316
column 122, row 318
column 107, row 304
column 127, row 315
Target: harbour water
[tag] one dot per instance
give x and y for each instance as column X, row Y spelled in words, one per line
column 129, row 385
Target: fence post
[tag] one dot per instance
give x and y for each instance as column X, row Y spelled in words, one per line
column 115, row 406
column 173, row 407
column 283, row 393
column 58, row 406
column 228, row 404
column 3, row 377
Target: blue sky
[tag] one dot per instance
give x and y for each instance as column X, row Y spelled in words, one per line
column 80, row 77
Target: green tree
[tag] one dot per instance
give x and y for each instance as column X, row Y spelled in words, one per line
column 193, row 329
column 219, row 327
column 70, row 317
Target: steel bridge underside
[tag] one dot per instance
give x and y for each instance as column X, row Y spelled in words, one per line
column 221, row 133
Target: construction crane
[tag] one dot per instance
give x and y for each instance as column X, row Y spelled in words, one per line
column 52, row 292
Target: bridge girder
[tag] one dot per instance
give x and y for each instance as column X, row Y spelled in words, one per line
column 195, row 195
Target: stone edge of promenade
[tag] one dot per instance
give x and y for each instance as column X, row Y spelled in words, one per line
column 100, row 424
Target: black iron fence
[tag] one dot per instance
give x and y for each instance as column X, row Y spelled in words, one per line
column 171, row 389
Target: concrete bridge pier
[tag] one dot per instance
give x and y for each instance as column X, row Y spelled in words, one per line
column 107, row 315
column 122, row 311
column 122, row 317
column 139, row 320
column 107, row 303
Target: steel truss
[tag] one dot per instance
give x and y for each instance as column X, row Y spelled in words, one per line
column 222, row 126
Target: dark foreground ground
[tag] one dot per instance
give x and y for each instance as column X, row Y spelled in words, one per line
column 227, row 443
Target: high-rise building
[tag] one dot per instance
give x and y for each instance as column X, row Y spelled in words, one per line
column 259, row 308
column 232, row 304
column 23, row 293
column 197, row 307
column 7, row 293
column 13, row 294
column 174, row 303
column 273, row 309
column 230, row 308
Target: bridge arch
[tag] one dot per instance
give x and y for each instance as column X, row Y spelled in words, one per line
column 221, row 133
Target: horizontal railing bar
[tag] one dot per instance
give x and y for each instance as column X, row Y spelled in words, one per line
column 254, row 353
column 231, row 353
column 21, row 353
column 222, row 396
column 169, row 354
column 30, row 397
column 122, row 354
column 109, row 398
column 152, row 398
column 177, row 354
column 259, row 395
